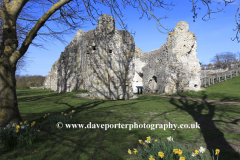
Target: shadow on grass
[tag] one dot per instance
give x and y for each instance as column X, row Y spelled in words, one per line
column 81, row 141
column 214, row 138
column 101, row 144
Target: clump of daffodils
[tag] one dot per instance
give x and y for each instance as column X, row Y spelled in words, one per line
column 159, row 149
column 53, row 119
column 25, row 133
column 18, row 134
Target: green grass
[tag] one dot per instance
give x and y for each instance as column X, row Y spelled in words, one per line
column 219, row 124
column 224, row 91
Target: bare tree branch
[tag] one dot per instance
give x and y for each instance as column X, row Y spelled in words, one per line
column 238, row 26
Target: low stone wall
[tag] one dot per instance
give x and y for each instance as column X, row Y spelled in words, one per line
column 36, row 87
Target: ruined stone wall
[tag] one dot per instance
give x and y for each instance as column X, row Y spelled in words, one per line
column 47, row 81
column 99, row 61
column 51, row 78
column 105, row 62
column 171, row 68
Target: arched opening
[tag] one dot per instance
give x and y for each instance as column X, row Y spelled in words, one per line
column 195, row 85
column 155, row 78
column 153, row 84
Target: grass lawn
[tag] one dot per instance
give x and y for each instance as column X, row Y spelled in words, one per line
column 224, row 91
column 219, row 124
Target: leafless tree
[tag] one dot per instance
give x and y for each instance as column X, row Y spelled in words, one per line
column 238, row 53
column 237, row 15
column 223, row 60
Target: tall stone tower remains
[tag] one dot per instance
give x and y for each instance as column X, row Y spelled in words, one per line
column 98, row 61
column 106, row 62
column 172, row 68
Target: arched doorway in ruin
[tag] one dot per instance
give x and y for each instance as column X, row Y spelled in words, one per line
column 137, row 81
column 153, row 84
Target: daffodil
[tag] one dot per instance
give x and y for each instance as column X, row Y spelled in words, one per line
column 147, row 141
column 193, row 154
column 33, row 123
column 135, row 151
column 179, row 152
column 217, row 151
column 196, row 152
column 140, row 141
column 181, row 158
column 129, row 151
column 149, row 138
column 175, row 151
column 151, row 158
column 161, row 154
column 155, row 140
column 38, row 130
column 73, row 111
column 61, row 112
column 202, row 150
column 169, row 139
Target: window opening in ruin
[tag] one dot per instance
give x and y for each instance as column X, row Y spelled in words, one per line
column 110, row 51
column 195, row 85
column 140, row 74
column 94, row 48
column 155, row 78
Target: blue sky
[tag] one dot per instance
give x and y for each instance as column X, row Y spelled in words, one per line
column 213, row 36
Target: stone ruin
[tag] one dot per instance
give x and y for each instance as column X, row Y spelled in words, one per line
column 106, row 62
column 97, row 61
column 173, row 67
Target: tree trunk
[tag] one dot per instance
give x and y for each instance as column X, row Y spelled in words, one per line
column 8, row 100
column 8, row 59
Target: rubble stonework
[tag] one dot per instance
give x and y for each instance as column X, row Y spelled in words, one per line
column 171, row 68
column 105, row 62
column 51, row 78
column 98, row 61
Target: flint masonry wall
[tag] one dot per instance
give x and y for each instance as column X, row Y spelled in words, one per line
column 51, row 78
column 105, row 62
column 171, row 68
column 98, row 60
